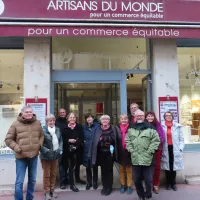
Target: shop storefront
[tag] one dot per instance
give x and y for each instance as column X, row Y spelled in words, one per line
column 100, row 56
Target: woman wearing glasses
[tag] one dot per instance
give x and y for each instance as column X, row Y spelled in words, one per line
column 172, row 158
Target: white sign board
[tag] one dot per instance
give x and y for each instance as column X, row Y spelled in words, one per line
column 39, row 110
column 171, row 106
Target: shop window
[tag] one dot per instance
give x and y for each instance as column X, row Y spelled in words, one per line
column 189, row 77
column 11, row 90
column 70, row 53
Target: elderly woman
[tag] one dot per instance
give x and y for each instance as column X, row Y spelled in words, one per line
column 103, row 152
column 124, row 157
column 50, row 152
column 151, row 118
column 172, row 158
column 73, row 148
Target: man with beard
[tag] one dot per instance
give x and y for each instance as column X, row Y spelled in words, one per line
column 63, row 173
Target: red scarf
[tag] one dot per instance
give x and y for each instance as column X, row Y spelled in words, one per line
column 169, row 132
column 123, row 128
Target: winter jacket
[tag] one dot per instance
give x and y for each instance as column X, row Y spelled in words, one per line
column 88, row 132
column 47, row 152
column 77, row 134
column 161, row 134
column 92, row 154
column 178, row 146
column 25, row 137
column 124, row 157
column 61, row 123
column 142, row 141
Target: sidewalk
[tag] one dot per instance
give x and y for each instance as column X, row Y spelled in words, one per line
column 185, row 192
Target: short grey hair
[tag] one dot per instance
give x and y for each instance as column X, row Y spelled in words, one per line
column 25, row 108
column 105, row 116
column 51, row 116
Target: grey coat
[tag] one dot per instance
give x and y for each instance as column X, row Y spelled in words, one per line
column 92, row 154
column 46, row 152
column 178, row 146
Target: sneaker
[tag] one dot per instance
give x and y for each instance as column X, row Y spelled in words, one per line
column 53, row 194
column 129, row 190
column 122, row 189
column 47, row 196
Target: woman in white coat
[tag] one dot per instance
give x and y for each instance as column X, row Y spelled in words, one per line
column 172, row 159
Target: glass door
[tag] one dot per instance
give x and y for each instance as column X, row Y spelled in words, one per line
column 147, row 93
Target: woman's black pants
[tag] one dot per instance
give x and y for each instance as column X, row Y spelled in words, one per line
column 171, row 174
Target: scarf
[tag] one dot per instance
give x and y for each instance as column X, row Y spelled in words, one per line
column 72, row 126
column 169, row 132
column 123, row 129
column 52, row 131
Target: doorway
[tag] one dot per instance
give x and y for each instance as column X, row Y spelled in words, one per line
column 83, row 98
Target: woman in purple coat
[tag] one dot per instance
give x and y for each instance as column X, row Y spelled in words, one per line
column 151, row 118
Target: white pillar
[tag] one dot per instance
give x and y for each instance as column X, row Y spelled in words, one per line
column 37, row 68
column 165, row 70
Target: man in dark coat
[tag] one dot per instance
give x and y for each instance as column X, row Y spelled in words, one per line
column 61, row 123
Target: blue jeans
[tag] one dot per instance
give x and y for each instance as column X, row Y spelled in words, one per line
column 21, row 166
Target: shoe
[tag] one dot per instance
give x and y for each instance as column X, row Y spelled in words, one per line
column 95, row 185
column 103, row 191
column 63, row 187
column 108, row 191
column 129, row 190
column 53, row 194
column 174, row 188
column 88, row 186
column 122, row 189
column 47, row 196
column 156, row 189
column 74, row 188
column 80, row 181
column 168, row 187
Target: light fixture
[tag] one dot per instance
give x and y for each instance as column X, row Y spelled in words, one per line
column 1, row 84
column 18, row 87
column 127, row 78
column 138, row 67
column 196, row 74
column 132, row 75
column 187, row 76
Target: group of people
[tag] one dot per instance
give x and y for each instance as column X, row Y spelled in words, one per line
column 139, row 144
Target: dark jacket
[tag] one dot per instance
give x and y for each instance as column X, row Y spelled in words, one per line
column 77, row 134
column 88, row 132
column 92, row 154
column 124, row 157
column 47, row 152
column 61, row 123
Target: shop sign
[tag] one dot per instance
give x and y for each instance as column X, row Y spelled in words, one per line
column 168, row 104
column 129, row 32
column 6, row 153
column 102, row 10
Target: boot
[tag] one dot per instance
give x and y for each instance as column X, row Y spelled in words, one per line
column 53, row 194
column 47, row 196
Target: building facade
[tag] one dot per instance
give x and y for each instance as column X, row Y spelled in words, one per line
column 99, row 57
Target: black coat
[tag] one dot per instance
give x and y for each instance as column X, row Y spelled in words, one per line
column 61, row 123
column 46, row 152
column 124, row 157
column 77, row 134
column 95, row 140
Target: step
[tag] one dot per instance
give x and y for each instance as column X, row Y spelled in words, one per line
column 192, row 180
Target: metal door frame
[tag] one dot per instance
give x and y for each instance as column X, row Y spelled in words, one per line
column 98, row 76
